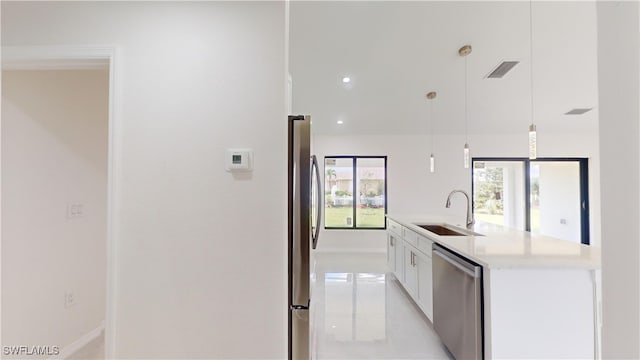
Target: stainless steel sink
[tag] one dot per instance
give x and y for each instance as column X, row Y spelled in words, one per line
column 444, row 230
column 441, row 230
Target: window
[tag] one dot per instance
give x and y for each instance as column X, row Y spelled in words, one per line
column 355, row 192
column 547, row 196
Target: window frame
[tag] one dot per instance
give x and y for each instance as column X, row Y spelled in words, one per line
column 584, row 188
column 353, row 205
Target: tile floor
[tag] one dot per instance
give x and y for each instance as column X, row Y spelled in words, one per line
column 359, row 312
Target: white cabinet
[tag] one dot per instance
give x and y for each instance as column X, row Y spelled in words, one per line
column 393, row 226
column 418, row 278
column 394, row 248
column 399, row 271
column 425, row 284
column 392, row 242
column 409, row 258
column 410, row 270
column 425, row 277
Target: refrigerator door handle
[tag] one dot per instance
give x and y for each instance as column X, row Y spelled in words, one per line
column 316, row 231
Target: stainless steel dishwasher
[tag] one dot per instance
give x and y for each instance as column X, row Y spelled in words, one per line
column 457, row 303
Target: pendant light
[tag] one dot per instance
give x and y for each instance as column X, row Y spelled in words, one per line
column 432, row 160
column 464, row 51
column 533, row 146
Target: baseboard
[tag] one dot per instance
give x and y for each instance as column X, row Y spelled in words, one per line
column 68, row 350
column 351, row 250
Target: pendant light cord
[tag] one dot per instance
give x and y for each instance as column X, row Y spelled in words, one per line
column 431, row 125
column 466, row 110
column 531, row 54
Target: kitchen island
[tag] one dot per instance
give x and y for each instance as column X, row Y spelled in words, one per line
column 539, row 294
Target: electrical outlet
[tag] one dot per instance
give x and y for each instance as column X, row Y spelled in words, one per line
column 563, row 221
column 69, row 299
column 75, row 210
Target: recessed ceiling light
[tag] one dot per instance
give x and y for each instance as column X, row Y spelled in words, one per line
column 340, row 122
column 578, row 111
column 346, row 80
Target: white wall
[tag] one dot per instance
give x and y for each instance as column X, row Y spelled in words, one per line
column 513, row 192
column 200, row 256
column 411, row 189
column 619, row 76
column 54, row 152
column 560, row 200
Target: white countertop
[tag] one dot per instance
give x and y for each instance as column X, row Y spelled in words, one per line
column 502, row 247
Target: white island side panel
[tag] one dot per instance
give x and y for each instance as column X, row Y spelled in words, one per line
column 539, row 314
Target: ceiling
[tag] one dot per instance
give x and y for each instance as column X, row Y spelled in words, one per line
column 396, row 52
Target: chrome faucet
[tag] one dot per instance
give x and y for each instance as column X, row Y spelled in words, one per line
column 470, row 220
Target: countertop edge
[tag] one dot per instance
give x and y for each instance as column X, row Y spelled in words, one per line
column 586, row 257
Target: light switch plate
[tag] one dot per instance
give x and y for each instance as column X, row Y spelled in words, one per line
column 69, row 299
column 74, row 210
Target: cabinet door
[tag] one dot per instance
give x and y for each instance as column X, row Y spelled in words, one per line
column 425, row 285
column 392, row 241
column 399, row 263
column 411, row 270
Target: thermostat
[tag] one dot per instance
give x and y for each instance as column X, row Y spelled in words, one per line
column 239, row 160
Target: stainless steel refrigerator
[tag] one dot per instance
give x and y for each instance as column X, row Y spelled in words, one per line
column 304, row 225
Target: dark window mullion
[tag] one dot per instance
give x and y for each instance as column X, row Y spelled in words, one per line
column 527, row 195
column 353, row 193
column 386, row 198
column 584, row 201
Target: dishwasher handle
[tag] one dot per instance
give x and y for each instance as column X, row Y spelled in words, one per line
column 475, row 272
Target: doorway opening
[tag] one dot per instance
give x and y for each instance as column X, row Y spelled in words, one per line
column 56, row 176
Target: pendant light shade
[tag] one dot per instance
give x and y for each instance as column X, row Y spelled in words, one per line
column 467, row 156
column 432, row 163
column 533, row 148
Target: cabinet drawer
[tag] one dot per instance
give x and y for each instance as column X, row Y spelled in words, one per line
column 424, row 245
column 394, row 226
column 411, row 237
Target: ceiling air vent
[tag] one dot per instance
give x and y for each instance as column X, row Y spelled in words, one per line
column 502, row 69
column 577, row 111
